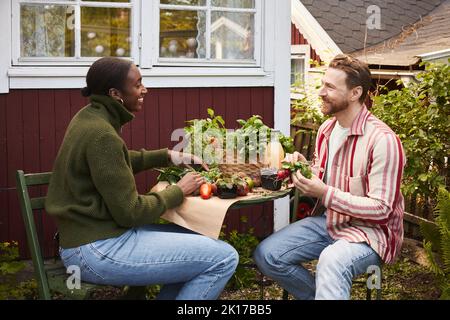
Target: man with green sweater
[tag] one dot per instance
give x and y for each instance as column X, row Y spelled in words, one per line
column 106, row 227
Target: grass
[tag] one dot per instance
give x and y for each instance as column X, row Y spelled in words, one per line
column 404, row 280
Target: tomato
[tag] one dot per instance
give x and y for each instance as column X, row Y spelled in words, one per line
column 205, row 191
column 283, row 174
column 242, row 190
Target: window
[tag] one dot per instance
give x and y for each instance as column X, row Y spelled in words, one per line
column 299, row 63
column 207, row 30
column 74, row 30
column 153, row 33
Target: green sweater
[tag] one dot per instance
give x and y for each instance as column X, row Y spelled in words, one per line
column 92, row 192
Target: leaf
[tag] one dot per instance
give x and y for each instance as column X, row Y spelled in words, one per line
column 210, row 113
column 241, row 122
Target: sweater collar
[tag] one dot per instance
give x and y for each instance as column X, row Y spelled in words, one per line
column 119, row 115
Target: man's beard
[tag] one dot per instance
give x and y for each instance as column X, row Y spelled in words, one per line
column 332, row 108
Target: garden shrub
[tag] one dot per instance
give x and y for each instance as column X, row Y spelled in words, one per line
column 419, row 114
column 437, row 242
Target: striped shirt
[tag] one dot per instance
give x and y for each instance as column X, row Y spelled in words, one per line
column 363, row 198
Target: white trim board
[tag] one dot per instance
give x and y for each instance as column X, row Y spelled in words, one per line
column 164, row 77
column 282, row 59
column 311, row 29
column 173, row 75
column 5, row 39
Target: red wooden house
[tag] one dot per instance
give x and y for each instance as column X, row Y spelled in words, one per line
column 229, row 55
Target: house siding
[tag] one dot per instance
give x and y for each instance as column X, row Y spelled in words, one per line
column 33, row 123
column 298, row 38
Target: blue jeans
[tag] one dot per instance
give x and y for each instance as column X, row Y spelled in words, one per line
column 189, row 265
column 280, row 256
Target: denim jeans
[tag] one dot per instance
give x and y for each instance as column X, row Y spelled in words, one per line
column 189, row 265
column 280, row 256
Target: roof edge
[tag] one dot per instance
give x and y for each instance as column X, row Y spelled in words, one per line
column 313, row 32
column 435, row 55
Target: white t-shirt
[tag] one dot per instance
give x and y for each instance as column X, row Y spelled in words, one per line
column 337, row 138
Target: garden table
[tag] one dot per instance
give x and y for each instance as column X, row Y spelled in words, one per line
column 206, row 216
column 270, row 196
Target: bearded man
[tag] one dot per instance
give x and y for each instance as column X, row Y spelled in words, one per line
column 357, row 221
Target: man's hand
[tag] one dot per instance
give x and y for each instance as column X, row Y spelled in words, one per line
column 294, row 157
column 313, row 187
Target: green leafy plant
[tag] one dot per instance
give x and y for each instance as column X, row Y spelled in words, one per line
column 202, row 133
column 437, row 242
column 211, row 133
column 10, row 266
column 305, row 105
column 304, row 168
column 419, row 114
column 244, row 243
column 171, row 174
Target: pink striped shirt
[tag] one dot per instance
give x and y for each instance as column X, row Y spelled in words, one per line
column 363, row 198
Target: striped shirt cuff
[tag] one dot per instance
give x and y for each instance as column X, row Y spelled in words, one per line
column 328, row 196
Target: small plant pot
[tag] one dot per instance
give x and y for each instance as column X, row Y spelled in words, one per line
column 226, row 193
column 270, row 182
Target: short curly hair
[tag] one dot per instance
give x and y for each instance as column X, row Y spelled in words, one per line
column 358, row 73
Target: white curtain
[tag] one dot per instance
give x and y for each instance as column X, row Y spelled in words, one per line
column 43, row 29
column 231, row 33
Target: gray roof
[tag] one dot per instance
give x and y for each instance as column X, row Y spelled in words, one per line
column 345, row 20
column 430, row 34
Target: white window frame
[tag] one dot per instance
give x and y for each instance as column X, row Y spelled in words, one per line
column 301, row 52
column 208, row 62
column 133, row 5
column 272, row 15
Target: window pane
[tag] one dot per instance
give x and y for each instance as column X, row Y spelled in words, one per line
column 297, row 71
column 105, row 32
column 185, row 2
column 234, row 3
column 179, row 34
column 232, row 35
column 47, row 31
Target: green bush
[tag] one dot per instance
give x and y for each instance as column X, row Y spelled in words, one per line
column 419, row 114
column 437, row 242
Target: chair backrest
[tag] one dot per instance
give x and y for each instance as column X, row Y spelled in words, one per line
column 27, row 205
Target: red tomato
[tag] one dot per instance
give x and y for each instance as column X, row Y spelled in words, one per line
column 205, row 191
column 283, row 174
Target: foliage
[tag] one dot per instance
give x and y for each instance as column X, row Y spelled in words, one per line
column 171, row 174
column 419, row 114
column 306, row 104
column 211, row 137
column 206, row 133
column 10, row 287
column 304, row 168
column 438, row 238
column 245, row 244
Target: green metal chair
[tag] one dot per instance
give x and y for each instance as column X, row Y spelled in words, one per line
column 50, row 276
